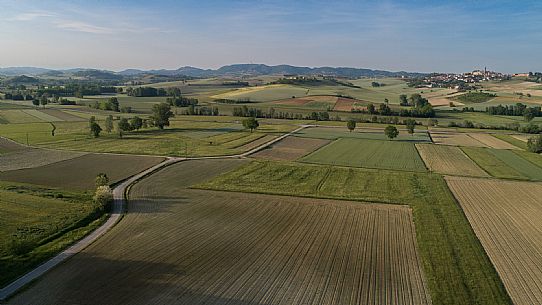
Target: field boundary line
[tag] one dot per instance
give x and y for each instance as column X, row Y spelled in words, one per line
column 119, row 197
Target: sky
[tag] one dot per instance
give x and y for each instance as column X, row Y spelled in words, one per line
column 409, row 35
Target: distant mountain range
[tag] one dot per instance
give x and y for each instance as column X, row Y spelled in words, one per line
column 230, row 70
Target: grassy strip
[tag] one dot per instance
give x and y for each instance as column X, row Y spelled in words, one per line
column 523, row 166
column 456, row 267
column 511, row 140
column 37, row 223
column 492, row 164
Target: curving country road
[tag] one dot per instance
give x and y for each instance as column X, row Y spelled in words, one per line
column 119, row 195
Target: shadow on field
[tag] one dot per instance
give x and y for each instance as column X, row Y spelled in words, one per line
column 87, row 279
column 156, row 204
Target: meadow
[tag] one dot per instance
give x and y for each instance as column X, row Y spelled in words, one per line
column 39, row 222
column 368, row 153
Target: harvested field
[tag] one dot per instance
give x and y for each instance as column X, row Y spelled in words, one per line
column 61, row 115
column 509, row 227
column 492, row 141
column 347, row 104
column 513, row 140
column 34, row 157
column 235, row 248
column 79, row 173
column 449, row 160
column 521, row 137
column 7, row 146
column 368, row 153
column 41, row 115
column 251, row 145
column 290, row 148
column 456, row 139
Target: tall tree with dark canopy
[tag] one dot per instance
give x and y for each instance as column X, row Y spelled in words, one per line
column 391, row 132
column 161, row 114
column 251, row 123
column 351, row 124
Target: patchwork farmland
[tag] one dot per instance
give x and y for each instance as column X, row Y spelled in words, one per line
column 506, row 218
column 449, row 160
column 290, row 148
column 226, row 247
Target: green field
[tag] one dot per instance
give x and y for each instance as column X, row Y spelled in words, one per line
column 368, row 153
column 505, row 163
column 375, row 133
column 456, row 267
column 39, row 222
column 511, row 140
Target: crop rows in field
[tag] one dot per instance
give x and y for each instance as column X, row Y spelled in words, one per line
column 79, row 173
column 290, row 148
column 456, row 139
column 507, row 218
column 449, row 160
column 507, row 163
column 368, row 153
column 186, row 246
column 491, row 141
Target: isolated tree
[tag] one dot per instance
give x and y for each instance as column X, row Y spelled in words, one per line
column 136, row 123
column 103, row 197
column 43, row 101
column 109, row 124
column 114, row 102
column 161, row 114
column 101, row 180
column 95, row 129
column 251, row 123
column 351, row 124
column 91, row 121
column 391, row 132
column 410, row 125
column 36, row 102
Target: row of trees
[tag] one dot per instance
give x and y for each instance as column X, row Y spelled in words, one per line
column 518, row 109
column 151, row 91
column 390, row 131
column 421, row 108
column 180, row 101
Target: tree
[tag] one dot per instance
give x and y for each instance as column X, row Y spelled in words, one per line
column 43, row 101
column 410, row 125
column 534, row 144
column 95, row 129
column 528, row 114
column 391, row 132
column 114, row 102
column 351, row 124
column 101, row 180
column 136, row 123
column 251, row 123
column 109, row 124
column 161, row 114
column 91, row 121
column 103, row 197
column 36, row 102
column 403, row 101
column 124, row 125
column 371, row 108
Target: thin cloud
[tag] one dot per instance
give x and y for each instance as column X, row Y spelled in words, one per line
column 31, row 16
column 84, row 27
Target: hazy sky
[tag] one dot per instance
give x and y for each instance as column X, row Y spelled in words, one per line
column 425, row 36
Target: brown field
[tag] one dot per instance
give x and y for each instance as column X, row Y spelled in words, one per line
column 7, row 146
column 34, row 157
column 491, row 141
column 260, row 141
column 346, row 104
column 79, row 173
column 455, row 139
column 290, row 148
column 507, row 218
column 61, row 115
column 186, row 246
column 449, row 160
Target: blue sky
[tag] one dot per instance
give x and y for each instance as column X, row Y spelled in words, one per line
column 426, row 36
